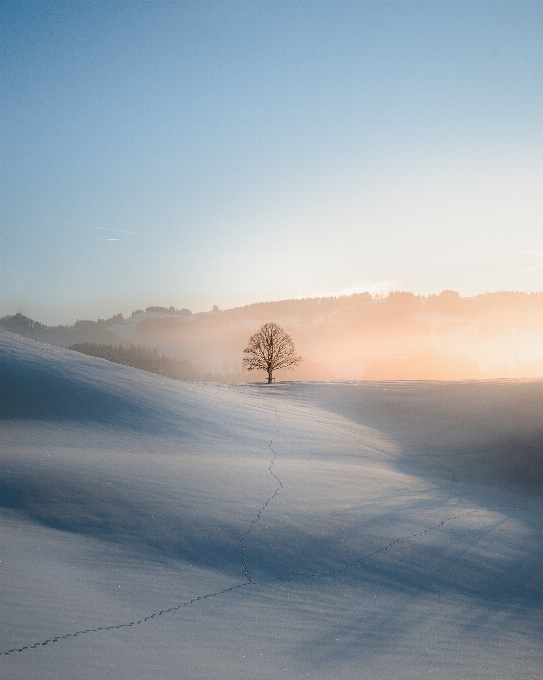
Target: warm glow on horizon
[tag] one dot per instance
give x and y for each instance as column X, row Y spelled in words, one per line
column 399, row 336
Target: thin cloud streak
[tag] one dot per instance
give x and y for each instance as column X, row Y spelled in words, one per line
column 93, row 226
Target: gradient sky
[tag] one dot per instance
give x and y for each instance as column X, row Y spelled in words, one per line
column 195, row 153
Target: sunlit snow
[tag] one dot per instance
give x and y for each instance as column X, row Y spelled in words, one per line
column 154, row 528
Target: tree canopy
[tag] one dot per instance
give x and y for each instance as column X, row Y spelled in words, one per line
column 270, row 349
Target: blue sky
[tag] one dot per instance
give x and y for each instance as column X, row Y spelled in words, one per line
column 195, row 153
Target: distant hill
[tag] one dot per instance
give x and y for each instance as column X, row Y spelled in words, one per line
column 400, row 336
column 63, row 336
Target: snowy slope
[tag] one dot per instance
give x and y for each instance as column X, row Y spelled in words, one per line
column 157, row 528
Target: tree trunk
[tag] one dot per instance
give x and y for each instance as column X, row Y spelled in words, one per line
column 269, row 375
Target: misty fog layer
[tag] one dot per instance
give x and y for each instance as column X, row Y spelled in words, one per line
column 398, row 337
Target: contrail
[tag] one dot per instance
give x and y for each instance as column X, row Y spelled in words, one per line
column 93, row 226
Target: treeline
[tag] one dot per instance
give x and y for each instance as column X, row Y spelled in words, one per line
column 20, row 324
column 139, row 357
column 524, row 309
column 63, row 336
column 164, row 310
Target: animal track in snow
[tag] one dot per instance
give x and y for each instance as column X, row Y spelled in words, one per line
column 224, row 591
column 248, row 581
column 261, row 510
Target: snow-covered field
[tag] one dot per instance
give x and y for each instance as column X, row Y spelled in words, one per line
column 152, row 528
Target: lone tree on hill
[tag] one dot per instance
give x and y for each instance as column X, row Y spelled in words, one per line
column 269, row 349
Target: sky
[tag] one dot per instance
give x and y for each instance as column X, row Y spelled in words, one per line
column 222, row 153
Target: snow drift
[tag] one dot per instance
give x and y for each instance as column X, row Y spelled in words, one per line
column 332, row 530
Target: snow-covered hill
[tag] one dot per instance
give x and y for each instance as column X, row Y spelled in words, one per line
column 152, row 528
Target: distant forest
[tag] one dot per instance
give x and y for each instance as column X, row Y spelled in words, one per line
column 164, row 310
column 144, row 359
column 63, row 336
column 400, row 336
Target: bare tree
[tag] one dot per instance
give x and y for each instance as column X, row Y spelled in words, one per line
column 269, row 349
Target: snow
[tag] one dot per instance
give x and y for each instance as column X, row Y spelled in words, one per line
column 322, row 530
